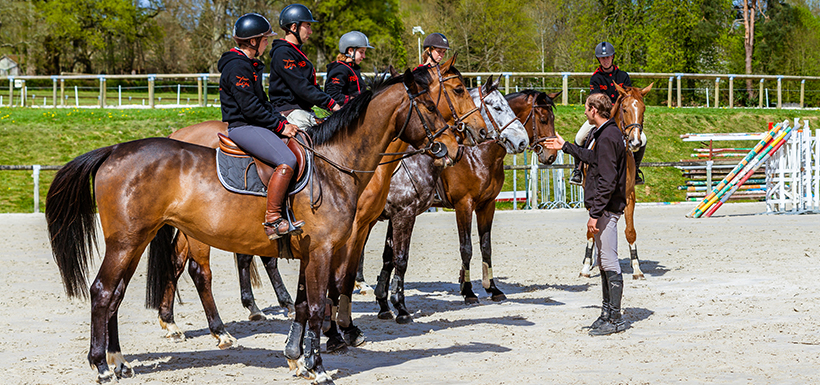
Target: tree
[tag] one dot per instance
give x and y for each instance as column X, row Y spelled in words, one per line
column 749, row 11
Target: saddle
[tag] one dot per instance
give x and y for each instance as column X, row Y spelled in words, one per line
column 234, row 167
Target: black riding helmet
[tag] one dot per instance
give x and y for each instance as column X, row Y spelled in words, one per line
column 252, row 25
column 604, row 49
column 295, row 14
column 436, row 40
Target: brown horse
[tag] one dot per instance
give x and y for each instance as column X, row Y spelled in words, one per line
column 446, row 85
column 145, row 187
column 627, row 113
column 472, row 186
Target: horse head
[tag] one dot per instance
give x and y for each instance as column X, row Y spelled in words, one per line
column 438, row 138
column 628, row 112
column 455, row 103
column 504, row 126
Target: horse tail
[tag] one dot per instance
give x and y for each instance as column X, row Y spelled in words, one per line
column 72, row 228
column 160, row 266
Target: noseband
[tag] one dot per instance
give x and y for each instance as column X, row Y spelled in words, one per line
column 626, row 129
column 536, row 143
column 435, row 148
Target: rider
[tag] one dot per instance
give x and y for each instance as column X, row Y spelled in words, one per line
column 293, row 89
column 252, row 122
column 344, row 77
column 436, row 46
column 603, row 81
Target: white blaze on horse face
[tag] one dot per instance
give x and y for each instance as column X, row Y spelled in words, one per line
column 513, row 135
column 635, row 141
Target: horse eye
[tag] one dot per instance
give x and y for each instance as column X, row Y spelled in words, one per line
column 430, row 106
column 459, row 90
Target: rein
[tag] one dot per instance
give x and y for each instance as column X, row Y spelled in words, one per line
column 535, row 144
column 627, row 128
column 490, row 115
column 460, row 126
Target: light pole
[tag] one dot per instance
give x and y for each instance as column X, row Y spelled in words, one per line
column 417, row 29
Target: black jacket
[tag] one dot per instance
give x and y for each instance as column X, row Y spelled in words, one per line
column 293, row 80
column 344, row 81
column 605, row 183
column 242, row 98
column 602, row 82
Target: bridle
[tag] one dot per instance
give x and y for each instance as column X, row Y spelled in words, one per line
column 459, row 125
column 626, row 129
column 496, row 129
column 536, row 145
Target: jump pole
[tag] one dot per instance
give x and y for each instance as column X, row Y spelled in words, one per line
column 754, row 165
column 699, row 209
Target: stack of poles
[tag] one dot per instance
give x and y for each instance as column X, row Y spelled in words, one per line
column 773, row 138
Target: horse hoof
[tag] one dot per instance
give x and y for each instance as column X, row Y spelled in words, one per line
column 404, row 319
column 335, row 343
column 257, row 316
column 107, row 378
column 353, row 336
column 121, row 366
column 582, row 275
column 498, row 297
column 471, row 300
column 638, row 276
column 361, row 287
column 298, row 365
column 385, row 315
column 226, row 341
column 123, row 371
column 290, row 311
column 323, row 379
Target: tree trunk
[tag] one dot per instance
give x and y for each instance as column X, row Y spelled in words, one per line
column 749, row 12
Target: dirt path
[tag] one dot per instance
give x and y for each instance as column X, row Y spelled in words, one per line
column 730, row 299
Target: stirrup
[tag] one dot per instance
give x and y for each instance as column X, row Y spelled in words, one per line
column 576, row 177
column 275, row 226
column 638, row 177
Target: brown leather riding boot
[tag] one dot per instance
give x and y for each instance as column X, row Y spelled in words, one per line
column 275, row 224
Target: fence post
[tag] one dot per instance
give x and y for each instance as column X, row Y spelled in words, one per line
column 680, row 104
column 779, row 92
column 669, row 94
column 102, row 91
column 23, row 95
column 199, row 91
column 36, row 176
column 717, row 92
column 62, row 92
column 760, row 95
column 506, row 84
column 565, row 88
column 11, row 91
column 54, row 90
column 731, row 92
column 151, row 91
column 205, row 90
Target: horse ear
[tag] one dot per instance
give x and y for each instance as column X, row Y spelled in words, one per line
column 446, row 66
column 497, row 80
column 410, row 81
column 554, row 95
column 392, row 70
column 647, row 89
column 487, row 87
column 620, row 89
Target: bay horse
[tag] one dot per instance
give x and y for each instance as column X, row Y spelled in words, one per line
column 147, row 187
column 627, row 113
column 472, row 185
column 446, row 81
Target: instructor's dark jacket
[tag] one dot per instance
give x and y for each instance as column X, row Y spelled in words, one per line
column 344, row 81
column 603, row 82
column 241, row 94
column 605, row 183
column 293, row 80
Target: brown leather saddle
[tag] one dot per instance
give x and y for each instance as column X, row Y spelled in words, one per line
column 263, row 169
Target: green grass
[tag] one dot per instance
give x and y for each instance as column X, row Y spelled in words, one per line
column 53, row 137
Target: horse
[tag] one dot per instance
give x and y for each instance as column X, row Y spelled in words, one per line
column 627, row 113
column 472, row 186
column 145, row 188
column 458, row 110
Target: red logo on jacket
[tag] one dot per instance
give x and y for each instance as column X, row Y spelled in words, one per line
column 289, row 63
column 242, row 82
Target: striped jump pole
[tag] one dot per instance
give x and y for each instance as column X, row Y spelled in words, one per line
column 748, row 174
column 753, row 165
column 699, row 209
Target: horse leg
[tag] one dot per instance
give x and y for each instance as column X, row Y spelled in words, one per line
column 282, row 295
column 402, row 231
column 114, row 357
column 243, row 266
column 107, row 291
column 484, row 219
column 316, row 270
column 587, row 264
column 382, row 286
column 631, row 237
column 166, row 308
column 464, row 220
column 361, row 287
column 200, row 271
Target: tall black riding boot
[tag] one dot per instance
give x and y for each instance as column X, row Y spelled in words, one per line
column 604, row 304
column 616, row 289
column 275, row 224
column 576, row 178
column 638, row 155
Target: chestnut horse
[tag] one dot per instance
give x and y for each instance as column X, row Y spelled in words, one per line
column 145, row 188
column 627, row 113
column 446, row 85
column 472, row 186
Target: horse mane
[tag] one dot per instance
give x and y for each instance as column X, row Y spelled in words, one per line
column 528, row 93
column 345, row 117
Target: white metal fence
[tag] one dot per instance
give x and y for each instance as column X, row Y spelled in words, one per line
column 793, row 174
